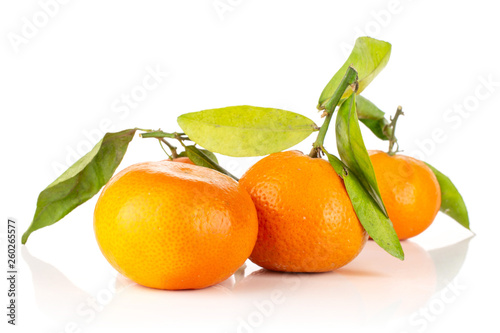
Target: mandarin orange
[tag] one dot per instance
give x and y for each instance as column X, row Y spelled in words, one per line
column 174, row 225
column 306, row 219
column 410, row 192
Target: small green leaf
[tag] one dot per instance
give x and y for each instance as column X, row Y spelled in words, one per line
column 377, row 127
column 369, row 56
column 210, row 155
column 81, row 181
column 367, row 110
column 352, row 150
column 201, row 157
column 199, row 161
column 452, row 203
column 372, row 117
column 206, row 159
column 376, row 224
column 246, row 130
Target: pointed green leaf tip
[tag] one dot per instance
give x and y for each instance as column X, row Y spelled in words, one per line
column 245, row 130
column 372, row 117
column 369, row 56
column 81, row 181
column 452, row 203
column 207, row 159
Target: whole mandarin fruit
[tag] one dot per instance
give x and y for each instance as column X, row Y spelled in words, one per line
column 306, row 219
column 174, row 225
column 410, row 192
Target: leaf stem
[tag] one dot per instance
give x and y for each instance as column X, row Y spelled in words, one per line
column 391, row 131
column 350, row 80
column 158, row 134
column 161, row 145
column 144, row 130
column 173, row 149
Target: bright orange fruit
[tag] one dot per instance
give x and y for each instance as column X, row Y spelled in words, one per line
column 306, row 219
column 174, row 225
column 410, row 192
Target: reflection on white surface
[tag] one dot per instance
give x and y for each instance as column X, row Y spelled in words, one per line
column 375, row 290
column 56, row 296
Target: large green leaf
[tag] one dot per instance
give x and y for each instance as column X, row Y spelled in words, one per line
column 206, row 159
column 81, row 181
column 452, row 203
column 369, row 56
column 352, row 150
column 376, row 224
column 372, row 117
column 246, row 130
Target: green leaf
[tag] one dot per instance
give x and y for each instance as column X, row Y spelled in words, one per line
column 367, row 110
column 201, row 162
column 369, row 56
column 246, row 130
column 352, row 150
column 452, row 203
column 377, row 127
column 372, row 117
column 376, row 224
column 210, row 155
column 206, row 159
column 81, row 181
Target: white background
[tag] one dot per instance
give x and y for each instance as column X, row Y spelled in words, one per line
column 62, row 85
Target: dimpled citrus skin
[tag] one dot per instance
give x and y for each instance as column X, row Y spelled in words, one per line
column 306, row 219
column 410, row 192
column 172, row 225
